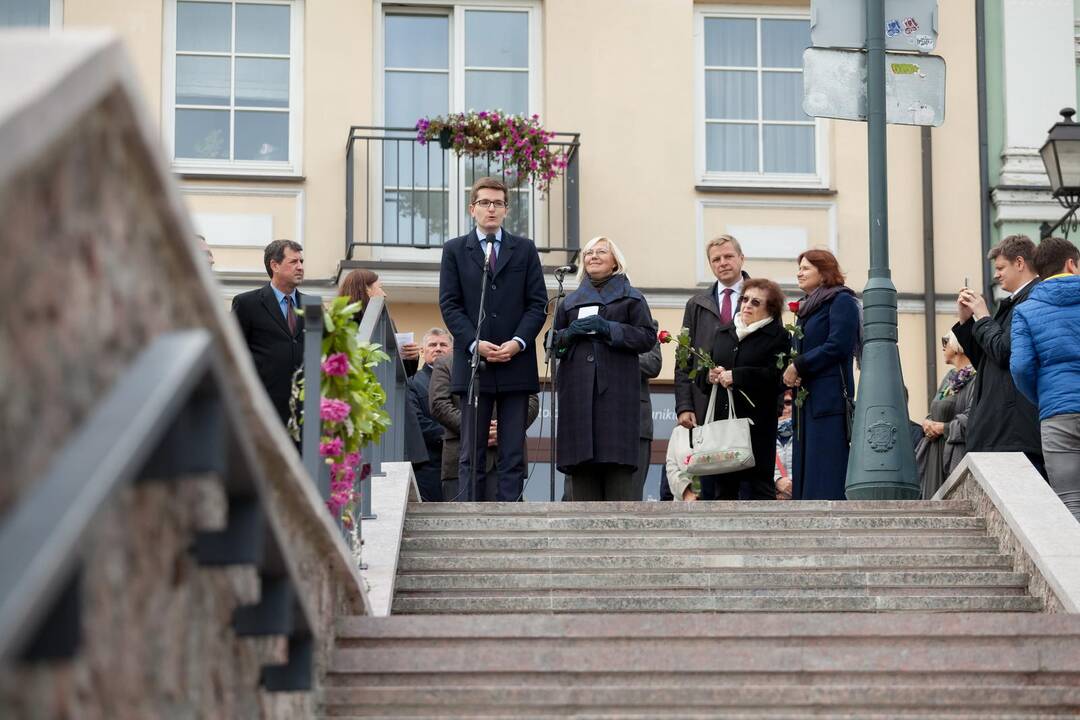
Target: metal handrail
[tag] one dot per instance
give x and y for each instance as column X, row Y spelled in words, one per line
column 168, row 416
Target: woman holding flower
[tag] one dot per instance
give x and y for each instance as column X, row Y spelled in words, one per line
column 829, row 326
column 600, row 330
column 745, row 357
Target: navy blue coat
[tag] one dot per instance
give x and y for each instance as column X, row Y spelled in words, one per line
column 516, row 302
column 599, row 381
column 820, row 455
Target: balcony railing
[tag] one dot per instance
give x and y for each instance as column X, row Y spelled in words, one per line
column 401, row 194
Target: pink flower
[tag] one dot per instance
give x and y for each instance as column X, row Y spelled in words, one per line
column 331, row 448
column 336, row 365
column 332, row 410
column 352, row 459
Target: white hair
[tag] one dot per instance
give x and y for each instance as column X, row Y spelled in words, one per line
column 436, row 332
column 620, row 259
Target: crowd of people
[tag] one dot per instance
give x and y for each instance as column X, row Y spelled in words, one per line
column 1011, row 385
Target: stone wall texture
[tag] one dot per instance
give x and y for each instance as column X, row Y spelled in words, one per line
column 99, row 262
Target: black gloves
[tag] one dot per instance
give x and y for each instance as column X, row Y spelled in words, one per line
column 591, row 324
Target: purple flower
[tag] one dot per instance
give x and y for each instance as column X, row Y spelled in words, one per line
column 336, row 365
column 332, row 410
column 352, row 459
column 331, row 448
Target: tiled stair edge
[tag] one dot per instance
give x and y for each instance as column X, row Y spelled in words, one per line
column 1027, row 518
column 391, row 493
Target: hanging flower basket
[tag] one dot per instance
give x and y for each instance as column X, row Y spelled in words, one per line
column 517, row 142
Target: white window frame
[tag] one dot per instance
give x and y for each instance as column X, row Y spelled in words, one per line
column 293, row 167
column 456, row 12
column 816, row 180
column 56, row 14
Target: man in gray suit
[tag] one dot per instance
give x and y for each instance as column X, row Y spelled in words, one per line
column 649, row 363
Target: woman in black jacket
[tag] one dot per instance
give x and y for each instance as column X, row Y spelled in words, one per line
column 600, row 330
column 746, row 354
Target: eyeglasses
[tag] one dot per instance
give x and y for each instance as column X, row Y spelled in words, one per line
column 497, row 204
column 787, row 402
column 755, row 302
column 597, row 252
column 944, row 342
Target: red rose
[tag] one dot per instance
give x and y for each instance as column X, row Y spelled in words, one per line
column 663, row 336
column 793, row 306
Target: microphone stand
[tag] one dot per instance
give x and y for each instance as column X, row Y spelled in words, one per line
column 472, row 393
column 549, row 347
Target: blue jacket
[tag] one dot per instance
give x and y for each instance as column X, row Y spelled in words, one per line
column 1045, row 362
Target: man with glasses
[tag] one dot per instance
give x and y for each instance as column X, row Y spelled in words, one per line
column 514, row 307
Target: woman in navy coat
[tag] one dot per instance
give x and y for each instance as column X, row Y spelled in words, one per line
column 829, row 318
column 600, row 330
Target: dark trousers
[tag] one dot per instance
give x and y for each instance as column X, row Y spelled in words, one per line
column 513, row 409
column 644, row 448
column 601, row 482
column 429, row 480
column 727, row 487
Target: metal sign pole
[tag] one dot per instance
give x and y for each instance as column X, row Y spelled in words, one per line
column 881, row 464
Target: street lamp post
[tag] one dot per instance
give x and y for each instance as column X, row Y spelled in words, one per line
column 1061, row 156
column 881, row 464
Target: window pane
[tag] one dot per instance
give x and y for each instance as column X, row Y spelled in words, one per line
column 496, row 39
column 202, row 80
column 408, row 164
column 411, row 96
column 24, row 13
column 262, row 82
column 490, row 90
column 202, row 134
column 731, row 42
column 789, row 149
column 262, row 136
column 262, row 29
column 415, row 218
column 783, row 42
column 418, row 41
column 730, row 95
column 782, row 96
column 731, row 148
column 203, row 27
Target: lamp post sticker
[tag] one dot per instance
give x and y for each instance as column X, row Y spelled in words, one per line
column 924, row 42
column 910, row 25
column 893, row 28
column 906, row 69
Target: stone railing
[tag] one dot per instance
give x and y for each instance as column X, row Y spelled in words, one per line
column 102, row 260
column 1027, row 518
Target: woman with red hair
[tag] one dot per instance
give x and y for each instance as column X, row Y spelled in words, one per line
column 822, row 366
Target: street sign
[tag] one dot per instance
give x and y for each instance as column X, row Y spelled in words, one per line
column 834, row 86
column 910, row 25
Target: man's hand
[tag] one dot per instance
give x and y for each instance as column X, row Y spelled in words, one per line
column 791, row 376
column 487, row 349
column 409, row 351
column 687, row 419
column 963, row 312
column 493, row 433
column 975, row 303
column 507, row 350
column 688, row 494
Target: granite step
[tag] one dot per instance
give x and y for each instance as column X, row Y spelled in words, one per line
column 455, row 563
column 975, row 540
column 739, row 665
column 919, row 508
column 686, row 523
column 707, row 602
column 960, row 581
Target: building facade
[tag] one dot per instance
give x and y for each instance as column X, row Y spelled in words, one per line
column 291, row 118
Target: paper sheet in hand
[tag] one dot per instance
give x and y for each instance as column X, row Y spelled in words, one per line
column 403, row 338
column 588, row 311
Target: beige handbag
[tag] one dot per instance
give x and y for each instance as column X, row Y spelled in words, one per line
column 717, row 447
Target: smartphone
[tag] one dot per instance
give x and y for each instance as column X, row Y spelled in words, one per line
column 965, row 281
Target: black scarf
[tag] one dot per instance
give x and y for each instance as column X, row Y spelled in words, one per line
column 819, row 297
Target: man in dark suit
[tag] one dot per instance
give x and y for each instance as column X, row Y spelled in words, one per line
column 273, row 331
column 506, row 341
column 436, row 344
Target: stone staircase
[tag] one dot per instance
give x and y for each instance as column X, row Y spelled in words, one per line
column 650, row 610
column 707, row 557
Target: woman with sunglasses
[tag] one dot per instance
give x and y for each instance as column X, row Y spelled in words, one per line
column 745, row 354
column 944, row 441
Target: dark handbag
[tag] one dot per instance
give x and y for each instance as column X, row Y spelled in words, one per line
column 849, row 407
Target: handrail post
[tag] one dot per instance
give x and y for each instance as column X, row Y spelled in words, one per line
column 311, row 430
column 349, row 183
column 573, row 200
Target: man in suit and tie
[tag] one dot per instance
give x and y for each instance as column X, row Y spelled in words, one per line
column 436, row 344
column 515, row 307
column 272, row 329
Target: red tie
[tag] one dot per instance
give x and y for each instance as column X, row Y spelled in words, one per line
column 494, row 256
column 290, row 315
column 725, row 307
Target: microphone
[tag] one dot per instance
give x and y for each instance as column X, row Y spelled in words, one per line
column 564, row 269
column 490, row 239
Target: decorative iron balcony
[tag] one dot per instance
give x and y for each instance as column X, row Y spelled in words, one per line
column 401, row 194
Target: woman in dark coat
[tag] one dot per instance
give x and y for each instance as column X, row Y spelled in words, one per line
column 600, row 330
column 829, row 318
column 746, row 357
column 944, row 441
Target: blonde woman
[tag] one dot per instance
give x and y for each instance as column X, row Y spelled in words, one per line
column 600, row 330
